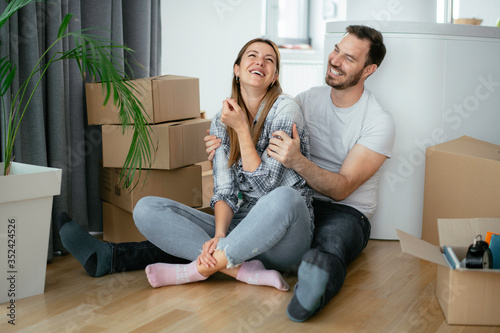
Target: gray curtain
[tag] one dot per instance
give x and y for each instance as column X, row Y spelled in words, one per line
column 55, row 132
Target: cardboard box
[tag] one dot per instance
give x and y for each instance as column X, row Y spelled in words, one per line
column 462, row 180
column 118, row 225
column 206, row 209
column 205, row 165
column 207, row 180
column 466, row 296
column 106, row 183
column 183, row 185
column 165, row 98
column 179, row 144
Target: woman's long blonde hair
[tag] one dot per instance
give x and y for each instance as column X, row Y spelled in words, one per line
column 273, row 91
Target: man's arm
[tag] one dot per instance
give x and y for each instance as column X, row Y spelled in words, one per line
column 358, row 166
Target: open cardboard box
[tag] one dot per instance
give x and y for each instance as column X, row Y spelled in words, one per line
column 466, row 296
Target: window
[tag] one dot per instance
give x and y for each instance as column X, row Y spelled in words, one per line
column 484, row 12
column 287, row 21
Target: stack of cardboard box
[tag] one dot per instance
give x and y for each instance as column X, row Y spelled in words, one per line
column 172, row 107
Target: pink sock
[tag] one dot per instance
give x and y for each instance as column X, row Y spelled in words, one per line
column 254, row 272
column 161, row 274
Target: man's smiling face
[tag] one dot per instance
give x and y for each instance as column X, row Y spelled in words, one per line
column 346, row 62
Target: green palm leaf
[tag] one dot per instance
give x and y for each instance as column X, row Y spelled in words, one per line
column 12, row 8
column 64, row 25
column 7, row 74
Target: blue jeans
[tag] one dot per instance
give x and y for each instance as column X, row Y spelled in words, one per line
column 277, row 230
column 341, row 233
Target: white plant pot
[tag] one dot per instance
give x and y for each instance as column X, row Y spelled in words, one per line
column 26, row 197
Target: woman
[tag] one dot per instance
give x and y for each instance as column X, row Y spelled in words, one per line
column 264, row 227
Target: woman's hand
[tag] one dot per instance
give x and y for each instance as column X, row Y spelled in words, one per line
column 206, row 257
column 233, row 116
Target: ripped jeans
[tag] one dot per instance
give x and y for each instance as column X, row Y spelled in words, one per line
column 277, row 230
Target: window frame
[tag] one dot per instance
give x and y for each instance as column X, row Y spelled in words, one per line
column 272, row 18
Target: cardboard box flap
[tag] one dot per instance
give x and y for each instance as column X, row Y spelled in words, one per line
column 470, row 147
column 461, row 232
column 421, row 249
column 460, row 251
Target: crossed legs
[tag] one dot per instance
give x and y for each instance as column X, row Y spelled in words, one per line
column 273, row 223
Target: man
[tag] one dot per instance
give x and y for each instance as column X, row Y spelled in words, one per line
column 350, row 138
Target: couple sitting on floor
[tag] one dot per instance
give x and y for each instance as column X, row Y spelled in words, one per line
column 278, row 152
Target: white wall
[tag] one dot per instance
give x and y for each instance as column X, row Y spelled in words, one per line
column 391, row 10
column 201, row 38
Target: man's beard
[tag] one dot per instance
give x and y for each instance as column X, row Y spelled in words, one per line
column 349, row 82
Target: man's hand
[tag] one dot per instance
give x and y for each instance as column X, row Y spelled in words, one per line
column 211, row 144
column 284, row 149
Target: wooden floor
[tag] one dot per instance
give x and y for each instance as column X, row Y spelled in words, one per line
column 385, row 291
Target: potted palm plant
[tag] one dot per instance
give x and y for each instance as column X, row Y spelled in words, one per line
column 26, row 191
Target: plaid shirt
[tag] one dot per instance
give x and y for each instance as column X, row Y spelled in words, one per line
column 270, row 174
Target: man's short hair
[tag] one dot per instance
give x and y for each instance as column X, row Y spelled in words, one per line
column 377, row 47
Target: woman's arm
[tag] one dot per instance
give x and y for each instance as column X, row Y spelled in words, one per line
column 223, row 216
column 233, row 116
column 225, row 187
column 225, row 198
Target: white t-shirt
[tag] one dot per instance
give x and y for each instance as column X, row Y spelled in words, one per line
column 334, row 131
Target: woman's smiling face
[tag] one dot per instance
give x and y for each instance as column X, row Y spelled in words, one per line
column 258, row 66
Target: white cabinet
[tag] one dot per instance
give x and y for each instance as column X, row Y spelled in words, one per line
column 439, row 81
